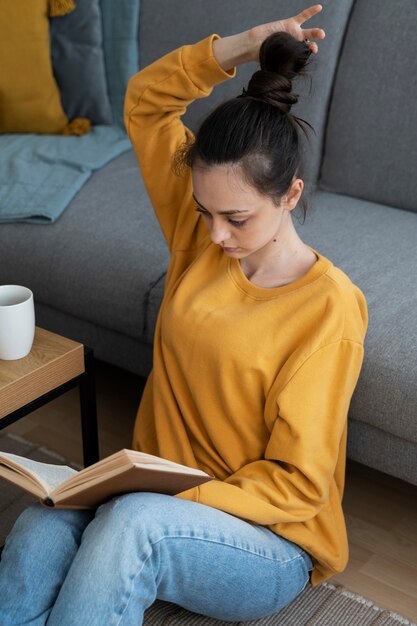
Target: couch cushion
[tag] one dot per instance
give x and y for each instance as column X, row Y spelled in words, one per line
column 189, row 21
column 99, row 260
column 376, row 246
column 371, row 140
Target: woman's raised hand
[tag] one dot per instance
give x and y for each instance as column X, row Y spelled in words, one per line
column 244, row 47
column 292, row 26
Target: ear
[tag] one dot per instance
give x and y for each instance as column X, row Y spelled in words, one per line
column 293, row 194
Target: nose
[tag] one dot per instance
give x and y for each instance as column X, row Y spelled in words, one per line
column 219, row 232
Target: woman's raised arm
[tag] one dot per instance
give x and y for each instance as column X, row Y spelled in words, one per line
column 156, row 98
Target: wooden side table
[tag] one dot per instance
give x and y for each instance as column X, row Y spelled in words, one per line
column 53, row 366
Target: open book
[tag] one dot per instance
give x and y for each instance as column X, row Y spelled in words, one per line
column 123, row 472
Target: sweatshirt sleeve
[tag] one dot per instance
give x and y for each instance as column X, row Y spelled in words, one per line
column 306, row 420
column 156, row 98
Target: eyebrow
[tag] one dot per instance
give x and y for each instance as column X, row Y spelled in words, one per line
column 221, row 212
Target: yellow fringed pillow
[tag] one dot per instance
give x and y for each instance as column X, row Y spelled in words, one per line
column 29, row 97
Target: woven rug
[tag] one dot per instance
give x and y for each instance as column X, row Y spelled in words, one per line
column 324, row 605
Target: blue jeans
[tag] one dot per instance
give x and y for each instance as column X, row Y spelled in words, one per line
column 74, row 567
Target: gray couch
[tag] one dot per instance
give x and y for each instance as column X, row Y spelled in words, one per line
column 98, row 272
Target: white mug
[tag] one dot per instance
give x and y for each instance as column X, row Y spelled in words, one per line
column 17, row 322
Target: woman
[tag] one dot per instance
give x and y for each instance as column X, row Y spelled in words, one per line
column 258, row 348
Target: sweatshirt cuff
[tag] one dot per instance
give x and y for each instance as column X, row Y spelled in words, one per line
column 201, row 65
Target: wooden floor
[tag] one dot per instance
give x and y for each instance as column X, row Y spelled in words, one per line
column 381, row 511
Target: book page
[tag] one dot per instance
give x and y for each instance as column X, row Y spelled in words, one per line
column 47, row 475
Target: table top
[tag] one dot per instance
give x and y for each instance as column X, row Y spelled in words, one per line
column 53, row 361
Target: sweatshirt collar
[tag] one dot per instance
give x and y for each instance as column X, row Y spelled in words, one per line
column 320, row 267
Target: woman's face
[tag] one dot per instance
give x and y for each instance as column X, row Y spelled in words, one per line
column 240, row 219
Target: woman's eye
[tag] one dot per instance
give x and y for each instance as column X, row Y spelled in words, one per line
column 236, row 223
column 203, row 213
column 206, row 214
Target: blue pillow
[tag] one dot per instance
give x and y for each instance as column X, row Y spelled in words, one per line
column 78, row 62
column 120, row 44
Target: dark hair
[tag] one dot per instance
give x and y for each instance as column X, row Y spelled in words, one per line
column 256, row 129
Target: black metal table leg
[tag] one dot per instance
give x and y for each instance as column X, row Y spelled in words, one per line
column 88, row 410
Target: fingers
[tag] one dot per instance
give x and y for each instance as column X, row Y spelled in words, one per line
column 313, row 47
column 311, row 33
column 308, row 13
column 314, row 33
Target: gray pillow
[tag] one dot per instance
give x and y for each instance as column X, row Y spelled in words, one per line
column 78, row 62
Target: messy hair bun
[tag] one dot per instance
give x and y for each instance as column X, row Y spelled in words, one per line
column 282, row 58
column 256, row 130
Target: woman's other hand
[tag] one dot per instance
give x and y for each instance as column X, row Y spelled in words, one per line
column 244, row 47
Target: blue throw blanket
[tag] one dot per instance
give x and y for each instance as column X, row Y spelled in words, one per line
column 40, row 174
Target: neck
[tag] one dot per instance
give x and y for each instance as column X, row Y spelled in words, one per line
column 281, row 257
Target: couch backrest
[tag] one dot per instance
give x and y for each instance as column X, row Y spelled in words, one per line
column 167, row 24
column 371, row 140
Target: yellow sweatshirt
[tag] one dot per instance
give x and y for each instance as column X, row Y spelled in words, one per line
column 250, row 384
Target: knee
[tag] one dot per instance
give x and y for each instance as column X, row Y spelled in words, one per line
column 34, row 515
column 133, row 505
column 141, row 512
column 144, row 502
column 41, row 518
column 40, row 529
